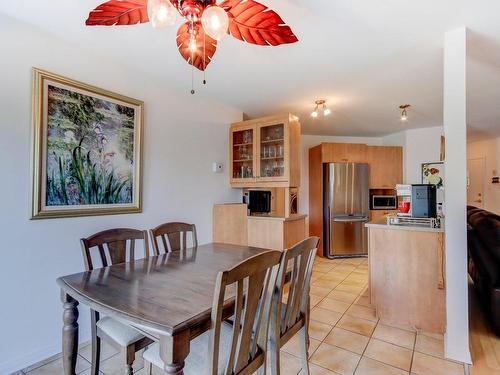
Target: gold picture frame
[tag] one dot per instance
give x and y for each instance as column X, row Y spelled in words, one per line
column 87, row 146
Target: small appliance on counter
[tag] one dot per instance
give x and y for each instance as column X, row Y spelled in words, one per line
column 417, row 205
column 403, row 193
column 257, row 201
column 423, row 200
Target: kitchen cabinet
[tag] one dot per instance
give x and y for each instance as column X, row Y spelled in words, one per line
column 381, row 214
column 232, row 225
column 407, row 277
column 265, row 152
column 344, row 153
column 386, row 166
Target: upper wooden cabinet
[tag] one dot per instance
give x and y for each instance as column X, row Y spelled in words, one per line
column 265, row 152
column 344, row 153
column 386, row 166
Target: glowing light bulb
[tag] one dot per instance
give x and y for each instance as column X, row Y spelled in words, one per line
column 161, row 13
column 314, row 114
column 192, row 45
column 215, row 22
column 326, row 111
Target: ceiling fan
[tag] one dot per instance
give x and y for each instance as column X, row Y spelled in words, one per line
column 205, row 23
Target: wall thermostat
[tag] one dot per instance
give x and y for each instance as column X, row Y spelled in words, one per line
column 217, row 167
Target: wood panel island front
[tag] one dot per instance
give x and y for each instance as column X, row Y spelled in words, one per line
column 406, row 275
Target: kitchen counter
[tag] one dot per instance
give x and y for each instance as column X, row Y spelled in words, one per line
column 232, row 224
column 382, row 223
column 279, row 218
column 406, row 275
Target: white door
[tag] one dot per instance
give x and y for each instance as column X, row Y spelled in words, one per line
column 475, row 182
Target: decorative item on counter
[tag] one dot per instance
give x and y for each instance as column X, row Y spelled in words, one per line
column 87, row 149
column 404, row 207
column 205, row 23
column 433, row 173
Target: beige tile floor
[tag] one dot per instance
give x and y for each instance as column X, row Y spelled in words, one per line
column 346, row 336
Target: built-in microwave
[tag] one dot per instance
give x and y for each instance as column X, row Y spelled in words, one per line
column 258, row 201
column 383, row 202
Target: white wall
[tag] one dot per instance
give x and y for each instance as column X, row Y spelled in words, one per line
column 455, row 128
column 184, row 134
column 489, row 150
column 419, row 146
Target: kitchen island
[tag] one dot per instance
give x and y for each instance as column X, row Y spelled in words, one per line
column 406, row 275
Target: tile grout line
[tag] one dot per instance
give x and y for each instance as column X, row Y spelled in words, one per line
column 343, row 314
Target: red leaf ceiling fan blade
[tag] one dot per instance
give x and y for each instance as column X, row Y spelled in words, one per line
column 255, row 23
column 119, row 12
column 183, row 40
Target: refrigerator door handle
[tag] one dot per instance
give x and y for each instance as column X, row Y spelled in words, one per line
column 353, row 171
column 348, row 220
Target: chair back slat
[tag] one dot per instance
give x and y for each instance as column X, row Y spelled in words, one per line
column 173, row 237
column 254, row 279
column 236, row 326
column 297, row 262
column 112, row 246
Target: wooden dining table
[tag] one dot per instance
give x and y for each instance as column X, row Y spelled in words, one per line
column 166, row 297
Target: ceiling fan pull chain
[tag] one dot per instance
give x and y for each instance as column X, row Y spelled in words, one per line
column 192, row 59
column 204, row 61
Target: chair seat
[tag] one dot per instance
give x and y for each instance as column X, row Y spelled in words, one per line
column 119, row 332
column 197, row 363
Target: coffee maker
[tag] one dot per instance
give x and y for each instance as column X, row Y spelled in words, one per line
column 417, row 200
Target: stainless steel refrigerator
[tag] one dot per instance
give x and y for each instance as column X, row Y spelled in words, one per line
column 345, row 209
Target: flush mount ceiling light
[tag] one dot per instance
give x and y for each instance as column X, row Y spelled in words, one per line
column 204, row 23
column 320, row 105
column 404, row 113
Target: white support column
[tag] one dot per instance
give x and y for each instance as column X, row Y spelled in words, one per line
column 455, row 131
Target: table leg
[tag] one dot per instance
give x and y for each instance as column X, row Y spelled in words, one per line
column 69, row 333
column 173, row 351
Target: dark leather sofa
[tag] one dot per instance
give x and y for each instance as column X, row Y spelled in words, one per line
column 483, row 240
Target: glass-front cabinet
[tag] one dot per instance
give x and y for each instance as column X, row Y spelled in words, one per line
column 265, row 152
column 272, row 152
column 242, row 154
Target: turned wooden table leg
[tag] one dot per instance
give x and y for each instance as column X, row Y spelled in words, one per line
column 173, row 351
column 69, row 333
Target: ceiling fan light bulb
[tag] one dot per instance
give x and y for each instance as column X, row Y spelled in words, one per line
column 192, row 45
column 215, row 22
column 161, row 13
column 314, row 114
column 326, row 111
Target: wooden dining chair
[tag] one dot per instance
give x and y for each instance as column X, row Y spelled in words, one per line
column 287, row 319
column 239, row 349
column 173, row 237
column 114, row 246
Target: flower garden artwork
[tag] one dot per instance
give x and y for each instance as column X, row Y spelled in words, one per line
column 433, row 173
column 90, row 150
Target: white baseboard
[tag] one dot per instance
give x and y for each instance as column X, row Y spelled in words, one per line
column 35, row 359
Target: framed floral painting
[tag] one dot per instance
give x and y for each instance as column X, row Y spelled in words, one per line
column 87, row 148
column 433, row 173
